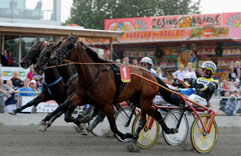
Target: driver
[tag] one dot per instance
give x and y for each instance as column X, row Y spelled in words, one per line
column 205, row 85
column 147, row 63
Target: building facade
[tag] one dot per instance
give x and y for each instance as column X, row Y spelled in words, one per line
column 174, row 40
column 23, row 13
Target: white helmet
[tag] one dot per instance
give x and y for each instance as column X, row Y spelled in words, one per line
column 147, row 60
column 209, row 65
column 187, row 75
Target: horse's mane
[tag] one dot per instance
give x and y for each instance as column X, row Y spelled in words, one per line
column 93, row 54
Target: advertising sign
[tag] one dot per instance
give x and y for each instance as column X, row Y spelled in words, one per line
column 7, row 72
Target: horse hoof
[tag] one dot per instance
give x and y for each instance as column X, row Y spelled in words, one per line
column 42, row 123
column 78, row 129
column 14, row 112
column 34, row 110
column 48, row 124
column 84, row 132
column 42, row 129
column 132, row 147
column 173, row 131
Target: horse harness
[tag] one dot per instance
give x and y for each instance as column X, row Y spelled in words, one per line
column 115, row 68
column 57, row 81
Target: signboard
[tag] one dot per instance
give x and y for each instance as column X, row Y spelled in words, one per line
column 48, row 106
column 7, row 72
column 175, row 34
column 176, row 21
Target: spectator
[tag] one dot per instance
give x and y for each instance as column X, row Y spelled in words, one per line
column 33, row 85
column 11, row 102
column 117, row 61
column 191, row 71
column 226, row 94
column 231, row 106
column 14, row 62
column 179, row 74
column 226, row 86
column 5, row 92
column 135, row 62
column 231, row 74
column 17, row 82
column 26, row 88
column 159, row 73
column 31, row 73
column 198, row 72
column 125, row 60
column 234, row 86
column 9, row 58
column 237, row 70
column 4, row 58
column 40, row 83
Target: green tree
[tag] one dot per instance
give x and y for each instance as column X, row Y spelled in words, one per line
column 92, row 13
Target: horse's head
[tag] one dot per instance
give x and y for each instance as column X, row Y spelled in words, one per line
column 68, row 45
column 32, row 55
column 44, row 57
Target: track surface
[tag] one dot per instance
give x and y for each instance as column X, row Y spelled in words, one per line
column 65, row 141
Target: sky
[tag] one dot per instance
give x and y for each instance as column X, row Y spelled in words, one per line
column 207, row 6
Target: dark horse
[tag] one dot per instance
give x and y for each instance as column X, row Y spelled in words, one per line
column 55, row 87
column 69, row 75
column 99, row 84
column 67, row 72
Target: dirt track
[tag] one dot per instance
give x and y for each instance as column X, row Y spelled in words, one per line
column 64, row 141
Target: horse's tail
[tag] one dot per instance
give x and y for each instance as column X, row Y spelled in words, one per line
column 168, row 96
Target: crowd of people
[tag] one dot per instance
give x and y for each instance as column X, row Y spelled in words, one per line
column 14, row 89
column 7, row 59
column 228, row 87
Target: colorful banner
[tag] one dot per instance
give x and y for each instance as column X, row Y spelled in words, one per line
column 7, row 72
column 178, row 21
column 175, row 34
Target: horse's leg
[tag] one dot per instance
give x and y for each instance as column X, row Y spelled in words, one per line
column 158, row 117
column 40, row 98
column 132, row 147
column 76, row 100
column 99, row 118
column 50, row 122
column 61, row 109
column 109, row 112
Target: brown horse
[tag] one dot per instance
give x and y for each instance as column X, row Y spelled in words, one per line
column 99, row 83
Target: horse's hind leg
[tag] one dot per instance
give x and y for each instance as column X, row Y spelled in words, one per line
column 61, row 109
column 50, row 122
column 157, row 115
column 132, row 147
column 109, row 112
column 41, row 97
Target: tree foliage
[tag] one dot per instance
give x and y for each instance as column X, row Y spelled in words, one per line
column 91, row 13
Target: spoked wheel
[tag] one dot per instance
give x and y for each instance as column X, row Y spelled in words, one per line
column 171, row 119
column 102, row 128
column 202, row 142
column 121, row 119
column 149, row 134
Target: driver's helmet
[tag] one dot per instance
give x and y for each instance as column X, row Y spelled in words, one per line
column 147, row 60
column 209, row 65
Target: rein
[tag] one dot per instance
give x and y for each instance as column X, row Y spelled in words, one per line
column 71, row 62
